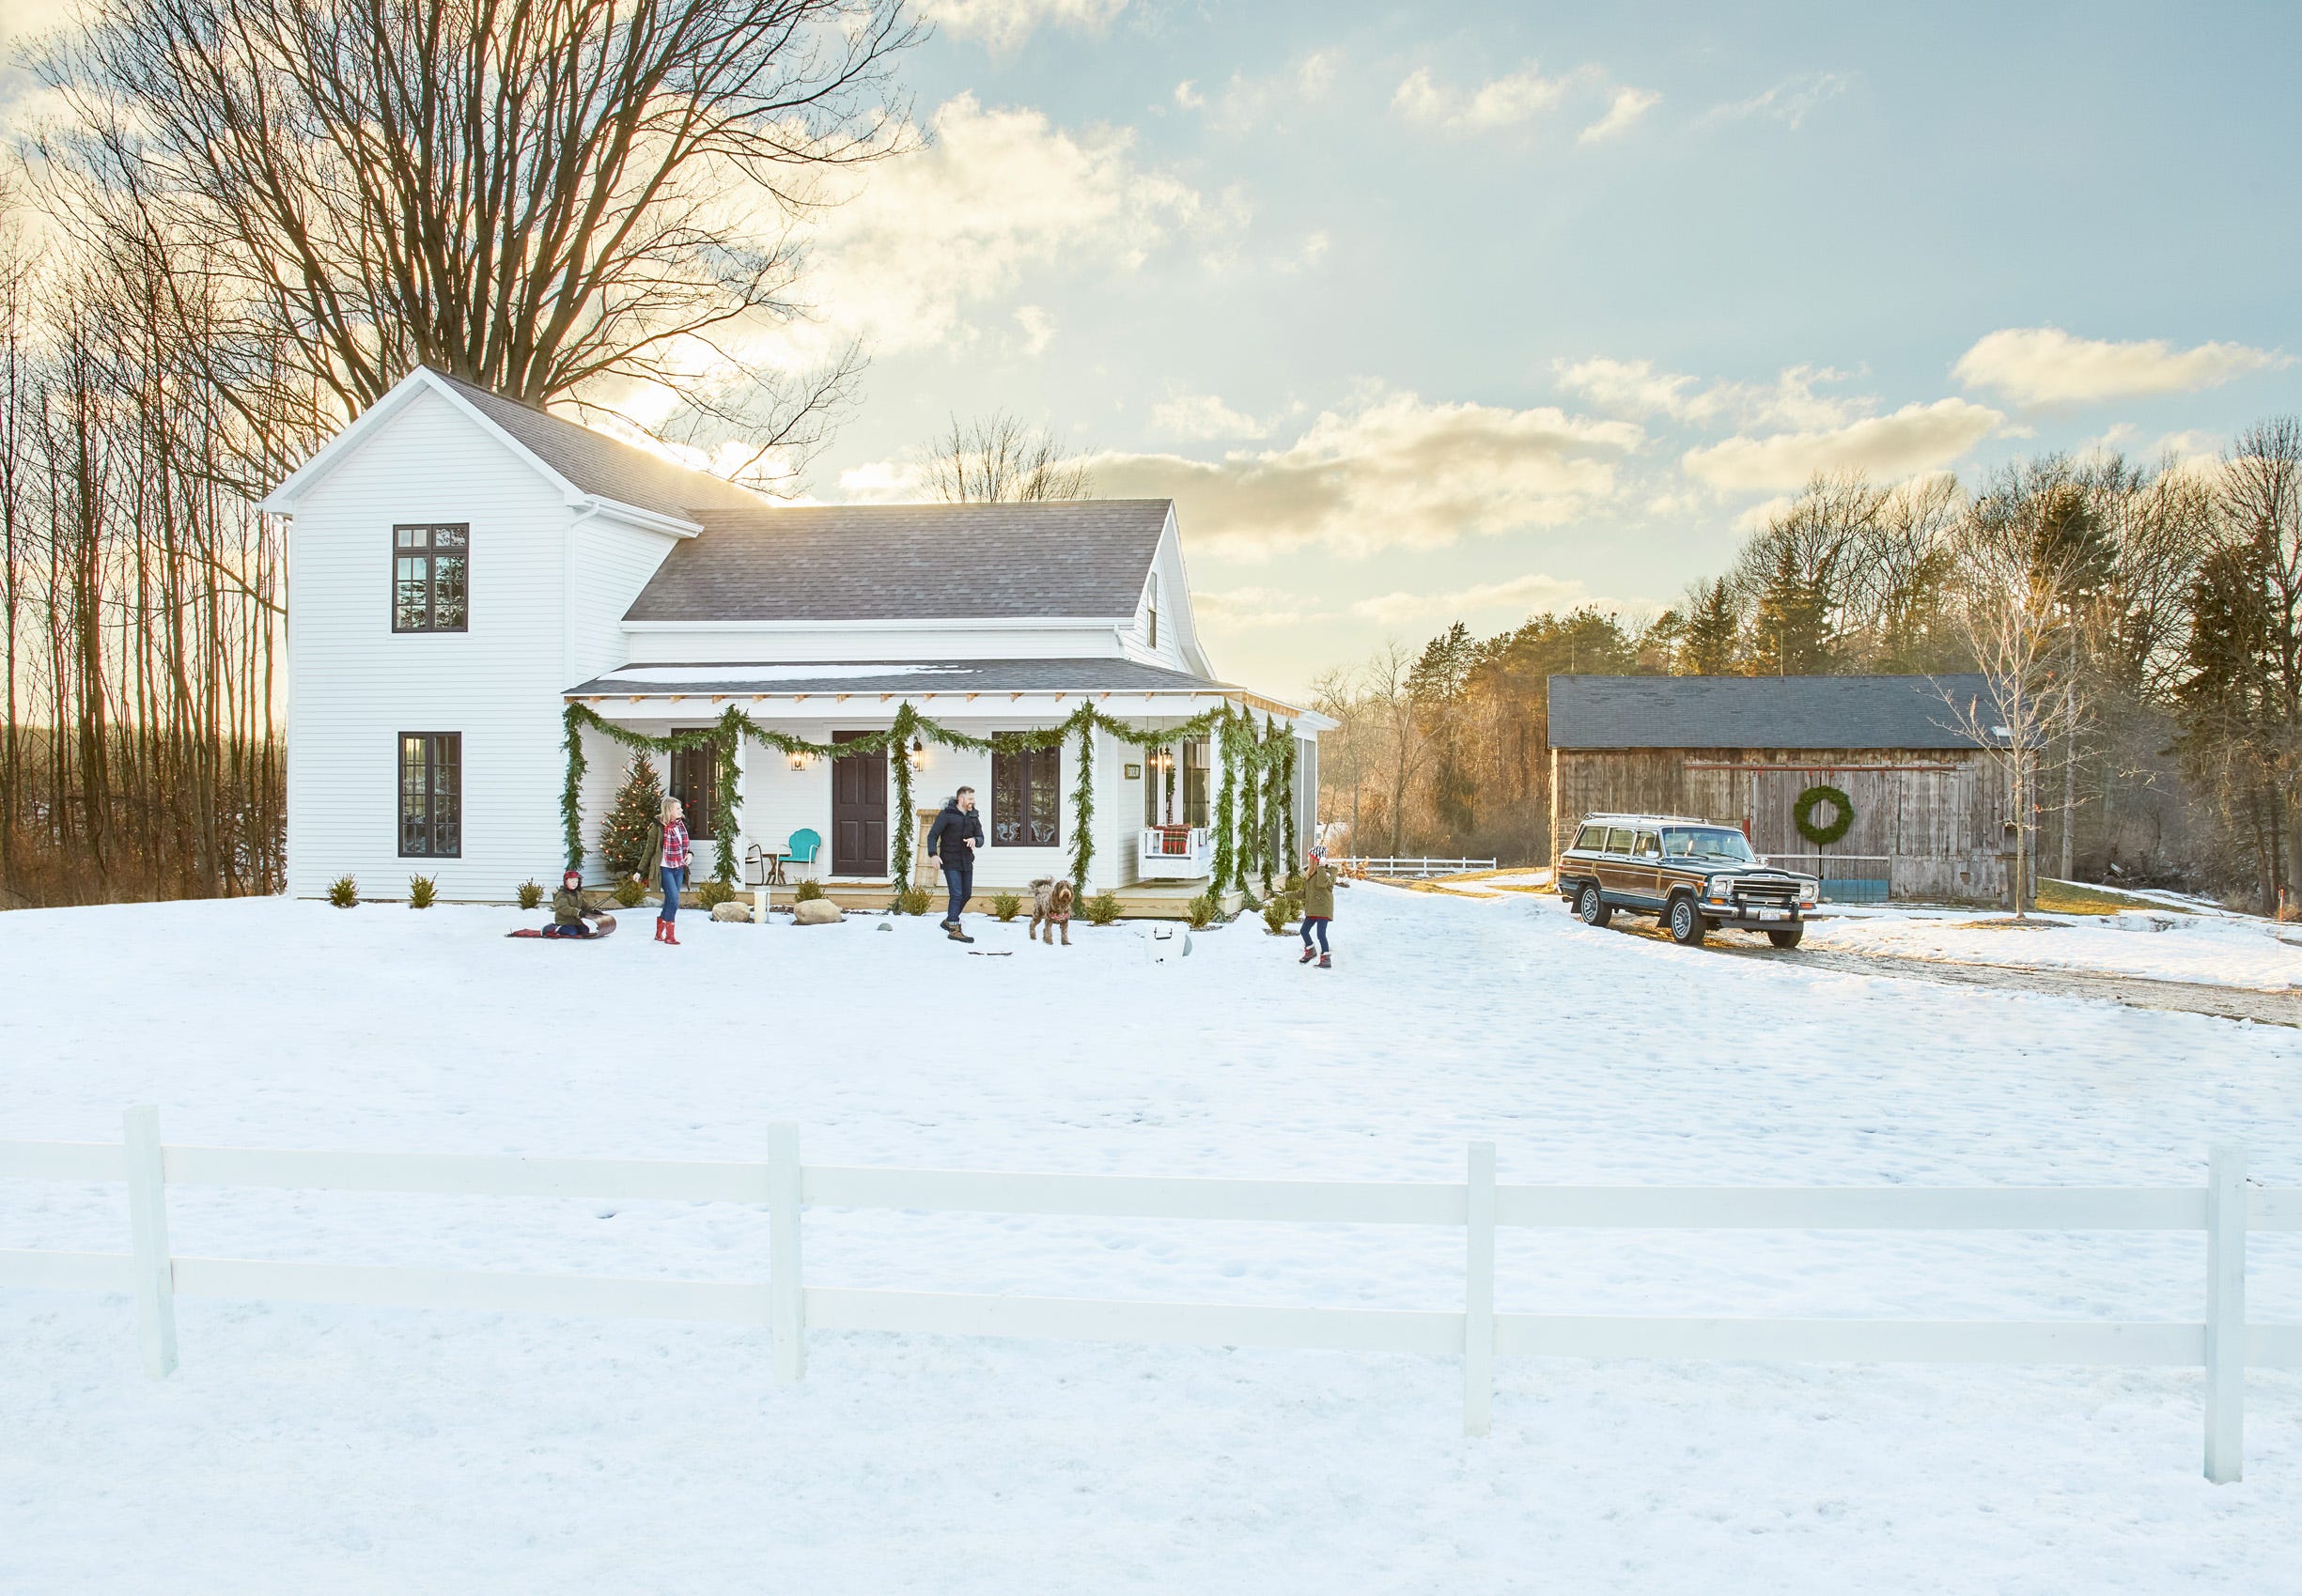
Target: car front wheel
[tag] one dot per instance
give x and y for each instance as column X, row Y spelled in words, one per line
column 1592, row 907
column 1687, row 925
column 1788, row 938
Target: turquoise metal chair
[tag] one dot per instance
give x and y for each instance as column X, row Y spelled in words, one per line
column 805, row 845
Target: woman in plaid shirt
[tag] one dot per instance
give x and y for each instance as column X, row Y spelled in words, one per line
column 667, row 858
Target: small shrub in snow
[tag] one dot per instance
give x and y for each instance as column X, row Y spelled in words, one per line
column 422, row 890
column 912, row 900
column 1006, row 906
column 531, row 895
column 628, row 893
column 1102, row 908
column 1201, row 910
column 807, row 892
column 1280, row 913
column 712, row 894
column 343, row 891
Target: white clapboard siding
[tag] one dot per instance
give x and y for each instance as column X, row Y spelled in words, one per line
column 355, row 684
column 610, row 562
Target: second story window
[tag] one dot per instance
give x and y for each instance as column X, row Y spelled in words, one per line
column 430, row 575
column 1151, row 604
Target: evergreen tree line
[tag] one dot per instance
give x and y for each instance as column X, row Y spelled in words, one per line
column 2159, row 609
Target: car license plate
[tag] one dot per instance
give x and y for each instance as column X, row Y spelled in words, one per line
column 1774, row 914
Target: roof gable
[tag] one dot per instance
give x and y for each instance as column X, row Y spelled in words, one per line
column 1820, row 712
column 583, row 463
column 1065, row 560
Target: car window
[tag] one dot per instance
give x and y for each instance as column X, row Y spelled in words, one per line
column 1707, row 842
column 1649, row 847
column 1591, row 837
column 1618, row 839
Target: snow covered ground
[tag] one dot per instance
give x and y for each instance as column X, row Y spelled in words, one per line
column 304, row 1448
column 2220, row 950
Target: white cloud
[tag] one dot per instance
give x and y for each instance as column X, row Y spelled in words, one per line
column 1397, row 472
column 1520, row 596
column 1500, row 102
column 1918, row 437
column 1199, row 416
column 1246, row 102
column 932, row 235
column 1315, row 75
column 1038, row 328
column 1238, row 608
column 2045, row 366
column 1188, row 95
column 1626, row 107
column 1002, row 25
column 1635, row 388
column 1790, row 102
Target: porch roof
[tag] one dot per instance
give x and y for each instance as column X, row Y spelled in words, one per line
column 912, row 679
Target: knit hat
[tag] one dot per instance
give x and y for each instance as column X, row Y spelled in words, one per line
column 571, row 877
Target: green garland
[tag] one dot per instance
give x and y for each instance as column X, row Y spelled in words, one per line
column 1232, row 727
column 1276, row 802
column 1294, row 843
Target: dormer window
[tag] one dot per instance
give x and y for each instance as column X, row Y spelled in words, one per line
column 1151, row 609
column 430, row 567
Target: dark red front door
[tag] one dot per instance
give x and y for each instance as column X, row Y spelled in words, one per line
column 858, row 810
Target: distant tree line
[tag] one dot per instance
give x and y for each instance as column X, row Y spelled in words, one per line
column 2151, row 617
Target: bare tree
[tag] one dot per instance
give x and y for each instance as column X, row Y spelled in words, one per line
column 997, row 459
column 2012, row 612
column 540, row 196
column 1395, row 709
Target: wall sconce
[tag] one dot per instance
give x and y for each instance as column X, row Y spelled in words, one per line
column 799, row 759
column 919, row 754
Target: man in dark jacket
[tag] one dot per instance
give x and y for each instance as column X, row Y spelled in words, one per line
column 953, row 839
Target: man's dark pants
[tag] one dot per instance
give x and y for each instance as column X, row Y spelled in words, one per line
column 960, row 879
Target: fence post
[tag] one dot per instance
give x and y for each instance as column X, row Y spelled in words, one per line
column 2225, row 1315
column 147, row 1227
column 1479, row 1289
column 787, row 1305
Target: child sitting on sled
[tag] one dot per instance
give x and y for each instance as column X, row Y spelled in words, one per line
column 567, row 910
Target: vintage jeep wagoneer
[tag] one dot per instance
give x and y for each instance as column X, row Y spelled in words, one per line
column 1692, row 875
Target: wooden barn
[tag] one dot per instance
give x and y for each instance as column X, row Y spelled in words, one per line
column 1929, row 813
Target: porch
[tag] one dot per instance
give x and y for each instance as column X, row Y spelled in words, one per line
column 1145, row 900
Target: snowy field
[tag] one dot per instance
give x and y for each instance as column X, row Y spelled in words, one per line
column 2219, row 949
column 304, row 1448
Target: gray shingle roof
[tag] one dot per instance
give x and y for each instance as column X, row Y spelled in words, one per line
column 1759, row 711
column 1073, row 558
column 600, row 464
column 911, row 678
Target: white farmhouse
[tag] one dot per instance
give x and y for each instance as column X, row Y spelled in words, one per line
column 463, row 566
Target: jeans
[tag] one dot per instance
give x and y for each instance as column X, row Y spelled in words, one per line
column 673, row 880
column 1319, row 920
column 960, row 880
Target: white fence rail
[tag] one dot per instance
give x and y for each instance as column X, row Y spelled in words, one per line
column 2225, row 1208
column 1418, row 866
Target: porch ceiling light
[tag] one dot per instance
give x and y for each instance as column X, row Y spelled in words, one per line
column 919, row 754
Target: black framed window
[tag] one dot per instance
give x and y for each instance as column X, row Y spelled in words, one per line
column 1197, row 783
column 431, row 795
column 1027, row 799
column 695, row 783
column 431, row 567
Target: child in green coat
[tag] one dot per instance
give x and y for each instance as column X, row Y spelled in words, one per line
column 1319, row 905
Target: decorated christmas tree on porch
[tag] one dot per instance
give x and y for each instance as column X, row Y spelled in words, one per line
column 636, row 814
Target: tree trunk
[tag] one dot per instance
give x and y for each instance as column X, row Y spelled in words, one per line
column 2070, row 773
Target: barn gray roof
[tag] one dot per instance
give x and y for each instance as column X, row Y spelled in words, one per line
column 596, row 463
column 912, row 679
column 1086, row 558
column 1760, row 711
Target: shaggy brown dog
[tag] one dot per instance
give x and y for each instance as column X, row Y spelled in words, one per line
column 1050, row 907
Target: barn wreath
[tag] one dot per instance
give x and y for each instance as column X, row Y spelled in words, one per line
column 1240, row 843
column 1821, row 833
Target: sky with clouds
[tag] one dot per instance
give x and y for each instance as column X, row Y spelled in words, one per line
column 1428, row 313
column 1423, row 313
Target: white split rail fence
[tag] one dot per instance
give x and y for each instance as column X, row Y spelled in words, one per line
column 2226, row 1208
column 1420, row 866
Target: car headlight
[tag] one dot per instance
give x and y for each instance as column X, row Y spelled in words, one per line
column 1718, row 889
column 1809, row 891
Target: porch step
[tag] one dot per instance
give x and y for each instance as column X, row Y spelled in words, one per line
column 1148, row 900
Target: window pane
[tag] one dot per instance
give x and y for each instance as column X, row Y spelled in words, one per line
column 1195, row 754
column 1618, row 839
column 1046, row 798
column 409, row 593
column 447, row 594
column 410, row 537
column 449, row 537
column 1006, row 800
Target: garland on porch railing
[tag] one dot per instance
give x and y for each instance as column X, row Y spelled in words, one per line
column 1275, row 803
column 1234, row 728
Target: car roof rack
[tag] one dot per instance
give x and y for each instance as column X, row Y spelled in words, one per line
column 1658, row 819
